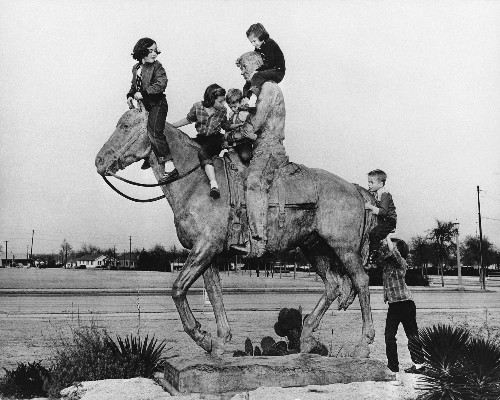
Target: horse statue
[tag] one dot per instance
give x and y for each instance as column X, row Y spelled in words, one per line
column 333, row 235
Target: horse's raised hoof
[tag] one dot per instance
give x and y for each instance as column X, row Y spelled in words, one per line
column 205, row 342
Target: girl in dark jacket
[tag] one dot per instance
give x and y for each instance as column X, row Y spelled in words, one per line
column 149, row 81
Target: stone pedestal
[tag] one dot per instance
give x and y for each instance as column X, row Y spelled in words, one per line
column 212, row 375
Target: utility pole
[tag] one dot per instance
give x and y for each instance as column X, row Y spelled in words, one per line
column 130, row 253
column 114, row 255
column 6, row 254
column 31, row 256
column 66, row 255
column 482, row 275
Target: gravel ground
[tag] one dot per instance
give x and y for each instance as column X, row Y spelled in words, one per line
column 30, row 337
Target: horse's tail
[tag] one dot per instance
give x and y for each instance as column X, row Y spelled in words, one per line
column 369, row 223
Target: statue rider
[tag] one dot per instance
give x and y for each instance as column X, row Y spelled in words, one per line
column 266, row 128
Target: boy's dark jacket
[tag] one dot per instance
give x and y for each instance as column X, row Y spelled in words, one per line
column 153, row 85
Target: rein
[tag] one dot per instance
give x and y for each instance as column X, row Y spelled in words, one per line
column 144, row 185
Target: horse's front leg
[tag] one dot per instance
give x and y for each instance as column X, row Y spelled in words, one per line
column 199, row 259
column 360, row 279
column 214, row 290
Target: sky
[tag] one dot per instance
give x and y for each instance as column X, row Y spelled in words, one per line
column 410, row 87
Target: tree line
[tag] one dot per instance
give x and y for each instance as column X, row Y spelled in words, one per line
column 434, row 252
column 438, row 248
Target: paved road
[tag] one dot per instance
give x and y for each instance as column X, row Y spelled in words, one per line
column 38, row 306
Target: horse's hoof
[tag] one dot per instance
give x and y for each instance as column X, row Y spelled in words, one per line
column 218, row 347
column 205, row 342
column 306, row 345
column 361, row 350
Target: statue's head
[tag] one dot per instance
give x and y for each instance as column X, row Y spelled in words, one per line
column 248, row 63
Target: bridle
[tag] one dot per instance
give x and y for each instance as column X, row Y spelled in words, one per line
column 117, row 155
column 144, row 185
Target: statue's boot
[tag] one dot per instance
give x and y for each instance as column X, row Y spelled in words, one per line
column 254, row 248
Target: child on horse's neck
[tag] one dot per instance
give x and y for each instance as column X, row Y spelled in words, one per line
column 149, row 81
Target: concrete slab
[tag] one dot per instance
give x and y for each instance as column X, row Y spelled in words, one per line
column 212, row 375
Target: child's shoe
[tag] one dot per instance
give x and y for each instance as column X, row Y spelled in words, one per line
column 214, row 190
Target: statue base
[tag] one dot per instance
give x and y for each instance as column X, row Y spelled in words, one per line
column 212, row 375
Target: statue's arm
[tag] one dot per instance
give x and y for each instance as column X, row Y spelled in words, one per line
column 264, row 105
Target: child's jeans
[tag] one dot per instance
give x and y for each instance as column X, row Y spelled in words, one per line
column 403, row 312
column 156, row 126
column 210, row 147
column 260, row 77
column 380, row 232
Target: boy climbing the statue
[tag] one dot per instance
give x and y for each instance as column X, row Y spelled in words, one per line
column 267, row 130
column 385, row 210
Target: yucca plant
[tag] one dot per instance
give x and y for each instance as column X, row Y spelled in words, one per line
column 140, row 357
column 481, row 365
column 459, row 365
column 26, row 381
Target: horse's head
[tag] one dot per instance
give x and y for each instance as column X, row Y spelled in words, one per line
column 128, row 143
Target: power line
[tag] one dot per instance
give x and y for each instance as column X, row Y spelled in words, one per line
column 488, row 192
column 494, row 219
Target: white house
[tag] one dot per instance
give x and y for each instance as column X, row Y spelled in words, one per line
column 91, row 261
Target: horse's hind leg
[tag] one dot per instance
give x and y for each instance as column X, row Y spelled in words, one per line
column 321, row 258
column 199, row 259
column 354, row 267
column 213, row 287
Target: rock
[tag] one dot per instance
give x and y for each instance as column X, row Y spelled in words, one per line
column 211, row 375
column 116, row 389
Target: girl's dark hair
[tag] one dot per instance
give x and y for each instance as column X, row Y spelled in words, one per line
column 211, row 93
column 258, row 31
column 141, row 48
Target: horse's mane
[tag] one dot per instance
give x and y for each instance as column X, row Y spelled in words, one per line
column 184, row 150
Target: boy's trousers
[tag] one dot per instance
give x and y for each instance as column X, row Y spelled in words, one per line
column 403, row 312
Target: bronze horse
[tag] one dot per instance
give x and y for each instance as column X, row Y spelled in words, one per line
column 334, row 241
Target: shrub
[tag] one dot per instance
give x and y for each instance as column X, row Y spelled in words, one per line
column 92, row 355
column 26, row 381
column 459, row 365
column 138, row 357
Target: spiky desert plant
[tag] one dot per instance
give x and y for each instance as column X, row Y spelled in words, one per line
column 459, row 365
column 141, row 357
column 481, row 364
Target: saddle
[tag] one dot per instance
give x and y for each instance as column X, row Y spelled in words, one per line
column 294, row 187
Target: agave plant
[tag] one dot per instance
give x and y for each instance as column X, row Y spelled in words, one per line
column 140, row 357
column 459, row 366
column 481, row 365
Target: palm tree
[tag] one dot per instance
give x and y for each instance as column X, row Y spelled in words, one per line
column 421, row 252
column 442, row 238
